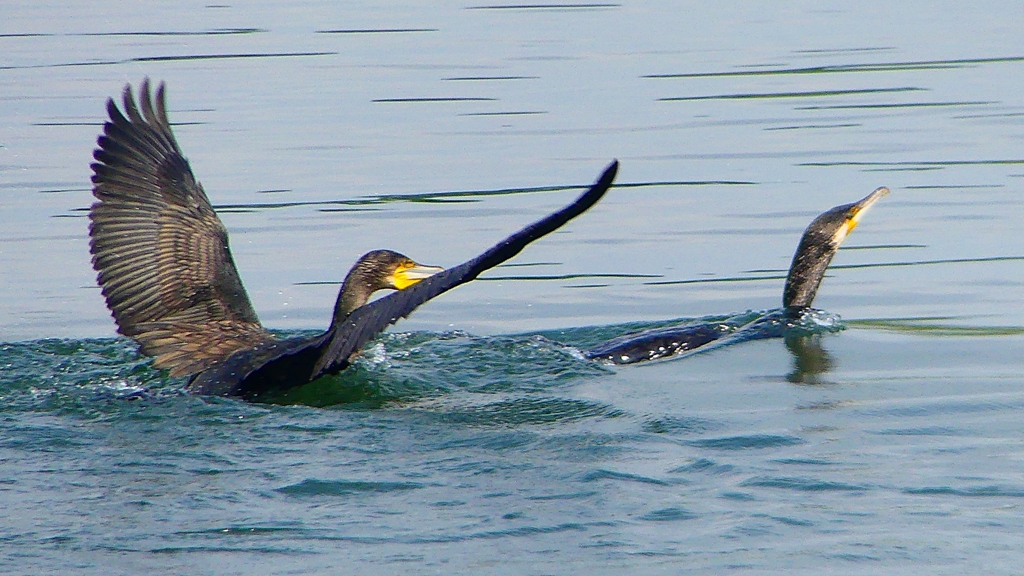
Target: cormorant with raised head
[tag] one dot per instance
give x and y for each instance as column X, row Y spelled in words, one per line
column 169, row 280
column 818, row 245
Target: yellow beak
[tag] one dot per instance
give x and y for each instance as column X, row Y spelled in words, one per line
column 408, row 274
column 861, row 208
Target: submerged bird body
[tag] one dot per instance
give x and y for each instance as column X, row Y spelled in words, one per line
column 817, row 246
column 281, row 364
column 656, row 343
column 269, row 367
column 168, row 277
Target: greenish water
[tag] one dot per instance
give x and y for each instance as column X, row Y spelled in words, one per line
column 474, row 438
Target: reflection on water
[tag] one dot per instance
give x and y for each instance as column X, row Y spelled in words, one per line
column 810, row 359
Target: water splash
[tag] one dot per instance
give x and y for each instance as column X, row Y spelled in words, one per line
column 398, row 367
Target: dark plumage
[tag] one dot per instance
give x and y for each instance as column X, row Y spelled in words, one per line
column 169, row 280
column 818, row 245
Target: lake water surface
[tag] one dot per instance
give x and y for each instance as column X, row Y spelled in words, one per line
column 473, row 438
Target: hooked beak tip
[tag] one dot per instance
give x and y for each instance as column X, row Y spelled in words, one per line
column 866, row 203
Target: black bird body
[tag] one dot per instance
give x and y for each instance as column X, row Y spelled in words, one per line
column 168, row 277
column 656, row 343
column 817, row 246
column 269, row 367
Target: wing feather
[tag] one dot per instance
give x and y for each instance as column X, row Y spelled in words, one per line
column 160, row 250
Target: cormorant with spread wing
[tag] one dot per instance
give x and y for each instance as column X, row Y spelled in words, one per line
column 170, row 282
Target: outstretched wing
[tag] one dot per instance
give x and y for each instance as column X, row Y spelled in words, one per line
column 160, row 250
column 367, row 321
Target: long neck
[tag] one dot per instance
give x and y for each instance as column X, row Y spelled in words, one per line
column 356, row 290
column 807, row 270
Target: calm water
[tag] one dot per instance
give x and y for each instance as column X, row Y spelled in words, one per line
column 474, row 438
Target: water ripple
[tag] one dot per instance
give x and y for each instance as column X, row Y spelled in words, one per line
column 923, row 431
column 528, row 410
column 553, row 7
column 184, row 57
column 679, row 425
column 845, row 68
column 313, row 487
column 802, row 484
column 565, row 496
column 376, row 30
column 598, row 475
column 747, row 442
column 980, row 491
column 807, row 94
column 671, row 514
column 212, row 32
column 704, row 466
